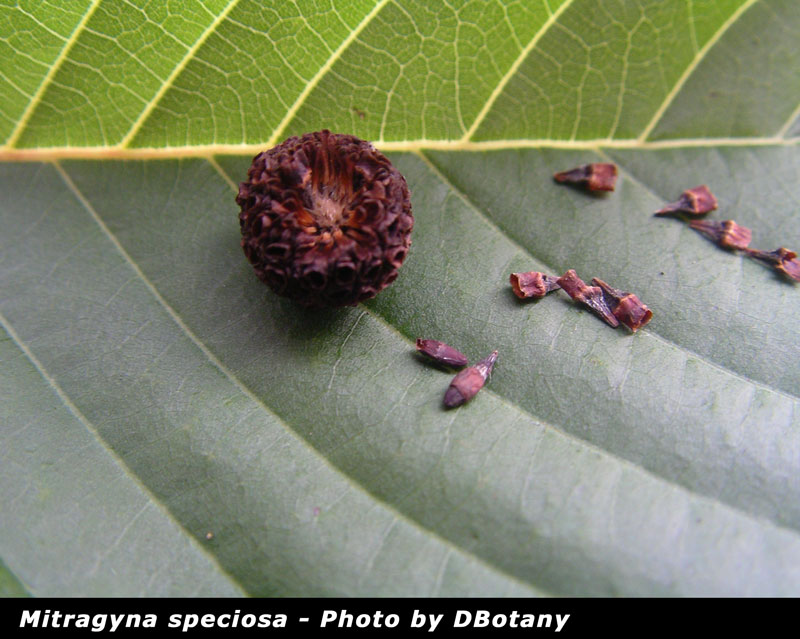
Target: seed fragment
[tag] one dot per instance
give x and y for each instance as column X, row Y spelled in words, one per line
column 781, row 259
column 441, row 353
column 626, row 307
column 598, row 176
column 532, row 284
column 727, row 234
column 695, row 201
column 468, row 382
column 590, row 296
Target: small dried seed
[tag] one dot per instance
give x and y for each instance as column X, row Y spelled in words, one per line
column 598, row 176
column 626, row 307
column 532, row 284
column 696, row 201
column 590, row 296
column 727, row 234
column 441, row 353
column 781, row 259
column 468, row 382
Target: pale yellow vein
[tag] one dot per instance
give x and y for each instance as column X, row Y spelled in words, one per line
column 312, row 84
column 513, row 69
column 687, row 72
column 59, row 61
column 190, row 54
column 49, row 154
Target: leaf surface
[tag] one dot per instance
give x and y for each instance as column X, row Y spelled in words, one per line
column 171, row 427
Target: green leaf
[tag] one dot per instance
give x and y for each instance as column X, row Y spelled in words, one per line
column 170, row 427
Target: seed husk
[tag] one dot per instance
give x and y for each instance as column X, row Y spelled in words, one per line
column 590, row 296
column 467, row 383
column 695, row 201
column 782, row 260
column 597, row 176
column 532, row 284
column 727, row 234
column 626, row 307
column 441, row 353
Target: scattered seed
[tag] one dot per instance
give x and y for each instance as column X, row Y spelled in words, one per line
column 727, row 234
column 626, row 307
column 590, row 296
column 781, row 259
column 532, row 284
column 696, row 201
column 468, row 382
column 441, row 353
column 598, row 176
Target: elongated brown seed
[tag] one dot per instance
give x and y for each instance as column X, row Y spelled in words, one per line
column 695, row 201
column 626, row 307
column 441, row 353
column 598, row 176
column 727, row 234
column 468, row 382
column 781, row 259
column 590, row 296
column 532, row 284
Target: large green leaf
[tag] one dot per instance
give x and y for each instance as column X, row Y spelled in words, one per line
column 168, row 426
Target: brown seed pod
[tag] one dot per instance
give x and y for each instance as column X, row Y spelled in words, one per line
column 326, row 219
column 727, row 234
column 781, row 259
column 532, row 284
column 626, row 307
column 695, row 201
column 441, row 352
column 590, row 296
column 468, row 382
column 598, row 176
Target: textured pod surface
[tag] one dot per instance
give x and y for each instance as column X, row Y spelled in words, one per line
column 326, row 219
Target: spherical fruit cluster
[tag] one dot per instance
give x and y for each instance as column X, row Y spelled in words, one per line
column 326, row 219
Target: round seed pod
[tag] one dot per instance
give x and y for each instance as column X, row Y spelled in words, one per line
column 326, row 219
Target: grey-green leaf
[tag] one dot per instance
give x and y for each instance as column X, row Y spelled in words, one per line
column 168, row 426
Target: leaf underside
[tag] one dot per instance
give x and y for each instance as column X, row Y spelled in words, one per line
column 170, row 427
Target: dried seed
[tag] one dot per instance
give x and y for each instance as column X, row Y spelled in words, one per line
column 781, row 259
column 696, row 201
column 532, row 284
column 727, row 234
column 598, row 176
column 590, row 296
column 441, row 353
column 626, row 307
column 325, row 219
column 468, row 382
